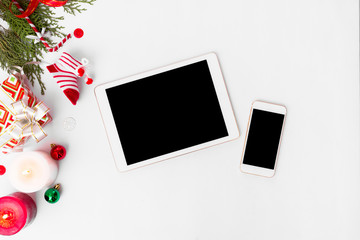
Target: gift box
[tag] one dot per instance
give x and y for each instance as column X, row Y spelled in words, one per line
column 22, row 115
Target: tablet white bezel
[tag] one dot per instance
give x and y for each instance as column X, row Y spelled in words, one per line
column 269, row 107
column 221, row 91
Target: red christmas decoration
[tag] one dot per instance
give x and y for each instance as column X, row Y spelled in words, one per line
column 2, row 170
column 65, row 71
column 78, row 33
column 81, row 72
column 57, row 152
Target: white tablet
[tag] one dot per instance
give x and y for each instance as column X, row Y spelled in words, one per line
column 166, row 112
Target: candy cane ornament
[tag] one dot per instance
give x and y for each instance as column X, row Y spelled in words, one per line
column 78, row 33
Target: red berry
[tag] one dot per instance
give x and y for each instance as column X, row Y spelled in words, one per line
column 58, row 152
column 81, row 72
column 2, row 170
column 78, row 33
column 89, row 81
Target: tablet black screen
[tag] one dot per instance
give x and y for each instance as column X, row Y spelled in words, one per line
column 166, row 112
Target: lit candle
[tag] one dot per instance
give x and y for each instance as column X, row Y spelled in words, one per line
column 16, row 211
column 32, row 171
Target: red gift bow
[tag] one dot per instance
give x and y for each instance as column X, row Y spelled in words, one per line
column 34, row 3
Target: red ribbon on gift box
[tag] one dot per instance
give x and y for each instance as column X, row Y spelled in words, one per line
column 22, row 116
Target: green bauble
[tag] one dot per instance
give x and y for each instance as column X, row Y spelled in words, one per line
column 52, row 195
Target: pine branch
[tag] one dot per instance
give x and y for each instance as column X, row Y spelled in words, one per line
column 15, row 52
column 74, row 6
column 43, row 17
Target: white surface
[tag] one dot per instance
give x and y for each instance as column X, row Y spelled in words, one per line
column 221, row 93
column 303, row 54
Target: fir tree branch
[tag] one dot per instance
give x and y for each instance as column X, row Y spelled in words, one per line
column 74, row 6
column 15, row 52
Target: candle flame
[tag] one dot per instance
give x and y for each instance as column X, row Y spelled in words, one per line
column 7, row 219
column 26, row 172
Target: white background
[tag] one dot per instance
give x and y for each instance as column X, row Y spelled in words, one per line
column 303, row 54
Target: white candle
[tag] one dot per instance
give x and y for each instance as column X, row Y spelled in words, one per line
column 32, row 171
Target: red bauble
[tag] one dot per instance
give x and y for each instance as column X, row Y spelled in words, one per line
column 57, row 152
column 2, row 170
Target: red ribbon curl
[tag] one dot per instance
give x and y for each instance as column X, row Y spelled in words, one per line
column 34, row 3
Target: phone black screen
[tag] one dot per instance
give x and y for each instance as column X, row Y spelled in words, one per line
column 263, row 139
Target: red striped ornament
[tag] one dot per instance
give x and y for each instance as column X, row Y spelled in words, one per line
column 66, row 72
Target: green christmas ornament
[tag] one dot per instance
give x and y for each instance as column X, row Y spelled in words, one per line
column 52, row 195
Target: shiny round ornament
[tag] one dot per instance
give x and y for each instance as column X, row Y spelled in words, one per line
column 52, row 195
column 57, row 152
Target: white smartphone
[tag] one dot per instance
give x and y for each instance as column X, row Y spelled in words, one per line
column 263, row 138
